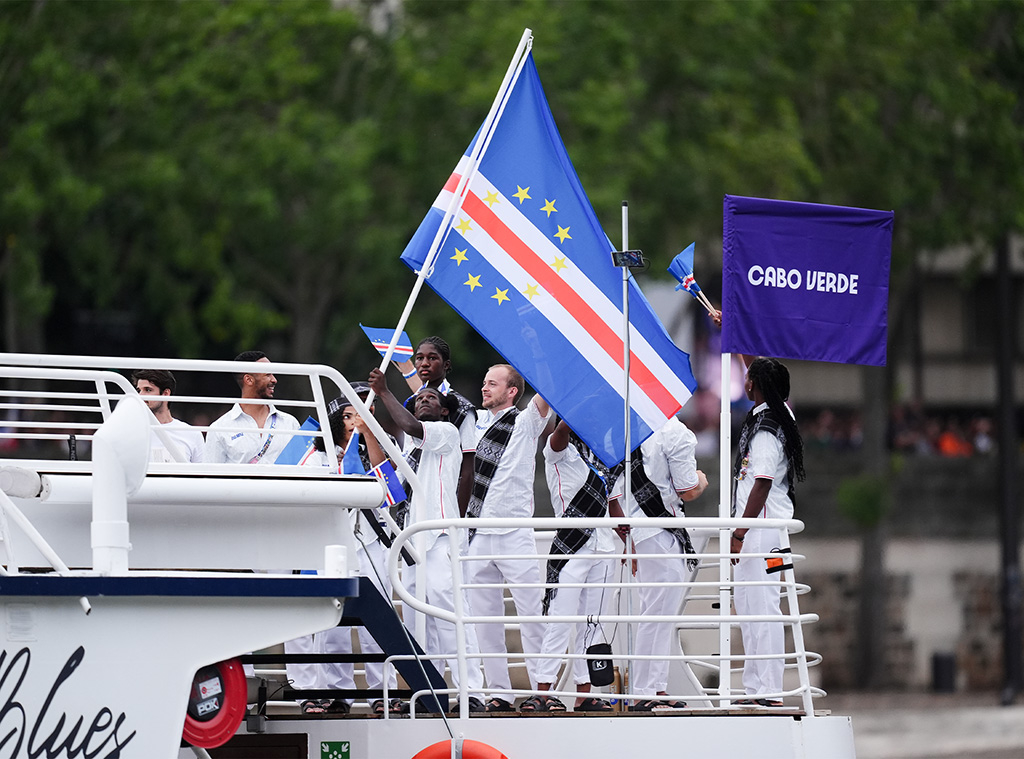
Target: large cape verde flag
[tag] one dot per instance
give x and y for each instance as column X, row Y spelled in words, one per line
column 527, row 264
column 805, row 281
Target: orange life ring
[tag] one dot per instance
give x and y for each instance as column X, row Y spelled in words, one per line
column 470, row 750
column 216, row 704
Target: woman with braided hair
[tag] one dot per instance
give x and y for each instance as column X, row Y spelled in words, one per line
column 769, row 460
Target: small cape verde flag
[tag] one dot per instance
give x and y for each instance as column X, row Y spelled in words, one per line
column 381, row 339
column 526, row 262
column 393, row 491
column 682, row 269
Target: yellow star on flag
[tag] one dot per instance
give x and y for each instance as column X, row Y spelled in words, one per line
column 500, row 295
column 523, row 194
column 549, row 206
column 460, row 256
column 473, row 282
column 491, row 199
column 530, row 291
column 463, row 226
column 563, row 234
column 559, row 263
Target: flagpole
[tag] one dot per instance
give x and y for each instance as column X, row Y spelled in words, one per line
column 525, row 42
column 629, row 448
column 724, row 535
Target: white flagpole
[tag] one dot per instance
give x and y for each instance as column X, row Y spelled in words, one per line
column 724, row 535
column 511, row 74
column 626, row 490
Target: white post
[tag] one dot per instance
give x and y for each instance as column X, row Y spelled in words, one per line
column 724, row 512
column 120, row 455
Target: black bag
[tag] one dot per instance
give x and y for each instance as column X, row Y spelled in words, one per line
column 601, row 671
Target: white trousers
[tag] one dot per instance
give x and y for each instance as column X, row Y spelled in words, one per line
column 440, row 634
column 583, row 567
column 759, row 638
column 339, row 639
column 489, row 602
column 650, row 676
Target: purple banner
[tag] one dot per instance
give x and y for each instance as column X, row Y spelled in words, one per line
column 805, row 281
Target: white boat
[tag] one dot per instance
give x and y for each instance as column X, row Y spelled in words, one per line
column 127, row 579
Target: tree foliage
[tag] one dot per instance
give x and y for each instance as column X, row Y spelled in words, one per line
column 222, row 175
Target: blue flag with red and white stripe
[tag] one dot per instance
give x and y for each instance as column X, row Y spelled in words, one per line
column 526, row 262
column 394, row 493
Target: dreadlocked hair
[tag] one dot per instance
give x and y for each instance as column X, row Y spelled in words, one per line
column 772, row 378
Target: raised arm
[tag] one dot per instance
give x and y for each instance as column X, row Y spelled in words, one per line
column 406, row 422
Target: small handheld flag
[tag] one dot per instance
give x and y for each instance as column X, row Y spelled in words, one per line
column 299, row 445
column 381, row 339
column 350, row 462
column 393, row 490
column 682, row 269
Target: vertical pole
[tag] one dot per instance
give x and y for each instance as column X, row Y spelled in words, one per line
column 1009, row 522
column 626, row 490
column 724, row 512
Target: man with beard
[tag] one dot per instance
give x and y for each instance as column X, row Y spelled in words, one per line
column 246, row 433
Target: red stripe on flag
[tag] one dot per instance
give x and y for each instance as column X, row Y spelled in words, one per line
column 603, row 334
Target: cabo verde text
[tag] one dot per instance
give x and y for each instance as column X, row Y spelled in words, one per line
column 794, row 279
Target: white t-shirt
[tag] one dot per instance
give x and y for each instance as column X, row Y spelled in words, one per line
column 242, row 447
column 766, row 459
column 510, row 493
column 566, row 473
column 438, row 473
column 188, row 440
column 671, row 464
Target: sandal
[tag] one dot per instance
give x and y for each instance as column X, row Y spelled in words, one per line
column 338, row 706
column 594, row 705
column 313, row 707
column 398, row 706
column 377, row 707
column 675, row 704
column 496, row 704
column 542, row 704
column 650, row 705
column 770, row 702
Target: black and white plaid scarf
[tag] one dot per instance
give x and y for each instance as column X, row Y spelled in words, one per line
column 591, row 500
column 489, row 450
column 766, row 421
column 649, row 499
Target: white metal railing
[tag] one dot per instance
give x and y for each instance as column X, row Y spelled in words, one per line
column 723, row 669
column 49, row 400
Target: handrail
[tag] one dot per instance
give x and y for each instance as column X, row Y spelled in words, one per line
column 796, row 659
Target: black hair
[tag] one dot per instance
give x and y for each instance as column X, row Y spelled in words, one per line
column 160, row 378
column 247, row 356
column 771, row 377
column 438, row 342
column 449, row 402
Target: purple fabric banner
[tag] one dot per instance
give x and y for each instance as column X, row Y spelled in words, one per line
column 805, row 281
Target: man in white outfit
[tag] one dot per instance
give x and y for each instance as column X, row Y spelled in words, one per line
column 440, row 460
column 663, row 473
column 246, row 433
column 577, row 491
column 503, row 472
column 152, row 385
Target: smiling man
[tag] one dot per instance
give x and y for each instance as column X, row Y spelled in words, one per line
column 245, row 434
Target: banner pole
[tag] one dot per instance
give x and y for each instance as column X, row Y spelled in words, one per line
column 724, row 535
